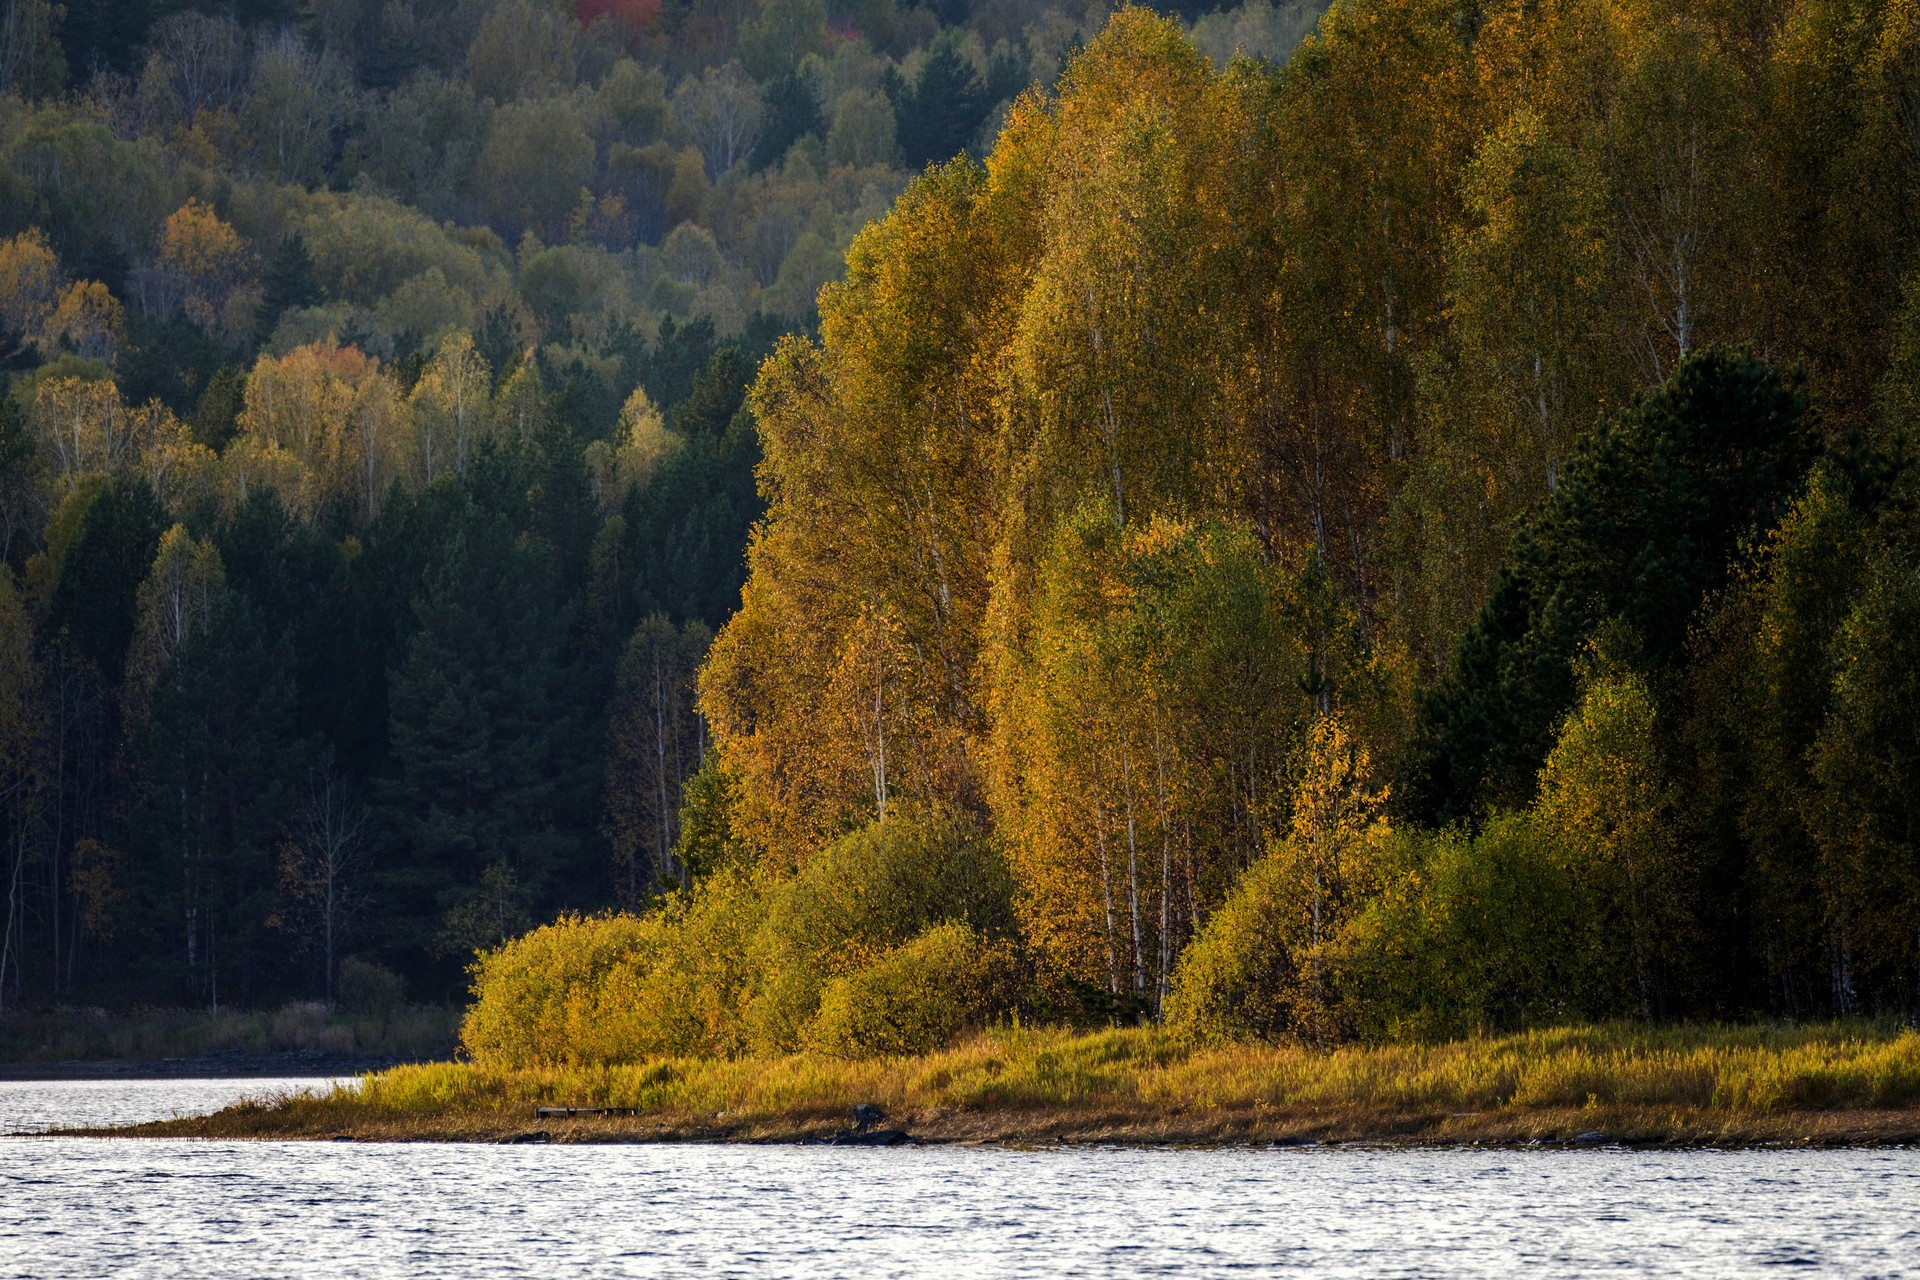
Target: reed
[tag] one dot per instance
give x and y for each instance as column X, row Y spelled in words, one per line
column 1702, row 1083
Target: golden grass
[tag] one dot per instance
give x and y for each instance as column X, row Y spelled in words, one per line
column 1683, row 1084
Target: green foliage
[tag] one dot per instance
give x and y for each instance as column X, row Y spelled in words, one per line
column 1078, row 592
column 937, row 118
column 917, row 997
column 864, row 895
column 740, row 963
column 92, row 602
column 368, row 988
column 1866, row 764
column 1234, row 980
column 1642, row 529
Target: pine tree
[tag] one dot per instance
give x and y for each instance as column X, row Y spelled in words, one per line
column 287, row 282
column 938, row 118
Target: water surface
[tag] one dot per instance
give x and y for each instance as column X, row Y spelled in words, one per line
column 127, row 1208
column 34, row 1106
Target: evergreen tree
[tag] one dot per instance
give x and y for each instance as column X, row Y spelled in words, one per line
column 219, row 759
column 100, row 574
column 791, row 112
column 938, row 117
column 493, row 745
column 287, row 282
column 1642, row 529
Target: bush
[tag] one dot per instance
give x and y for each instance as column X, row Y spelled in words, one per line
column 595, row 990
column 1236, row 980
column 916, row 997
column 538, row 995
column 863, row 896
column 683, row 998
column 1470, row 935
column 738, row 965
column 367, row 988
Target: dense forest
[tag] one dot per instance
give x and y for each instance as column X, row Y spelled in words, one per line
column 1401, row 537
column 1416, row 540
column 374, row 464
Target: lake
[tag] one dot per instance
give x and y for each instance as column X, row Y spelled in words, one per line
column 87, row 1208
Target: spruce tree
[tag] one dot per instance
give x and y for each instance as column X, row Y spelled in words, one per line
column 1641, row 531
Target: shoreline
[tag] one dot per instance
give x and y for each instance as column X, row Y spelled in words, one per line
column 1529, row 1129
column 1839, row 1085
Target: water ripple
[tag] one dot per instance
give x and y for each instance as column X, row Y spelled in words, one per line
column 76, row 1208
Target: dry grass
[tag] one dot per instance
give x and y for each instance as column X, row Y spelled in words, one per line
column 1686, row 1085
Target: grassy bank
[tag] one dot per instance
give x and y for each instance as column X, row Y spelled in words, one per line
column 1680, row 1085
column 151, row 1034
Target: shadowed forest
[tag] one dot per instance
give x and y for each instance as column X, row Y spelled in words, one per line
column 1408, row 536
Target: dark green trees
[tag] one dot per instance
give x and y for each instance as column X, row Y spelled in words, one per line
column 937, row 118
column 1641, row 530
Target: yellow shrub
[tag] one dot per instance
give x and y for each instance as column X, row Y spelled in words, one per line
column 917, row 997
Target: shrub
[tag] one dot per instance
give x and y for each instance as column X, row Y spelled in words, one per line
column 1469, row 934
column 917, row 997
column 864, row 895
column 367, row 988
column 736, row 964
column 537, row 996
column 684, row 996
column 1237, row 979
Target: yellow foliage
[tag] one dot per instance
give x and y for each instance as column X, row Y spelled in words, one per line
column 82, row 426
column 627, row 463
column 29, row 282
column 89, row 321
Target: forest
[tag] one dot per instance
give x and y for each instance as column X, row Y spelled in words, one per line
column 374, row 460
column 1397, row 535
column 1410, row 542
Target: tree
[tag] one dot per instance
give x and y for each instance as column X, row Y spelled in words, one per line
column 198, row 62
column 537, row 158
column 212, row 264
column 287, row 282
column 450, row 401
column 88, row 321
column 176, row 600
column 22, row 774
column 29, row 285
column 296, row 100
column 322, row 869
column 95, row 597
column 494, row 737
column 1866, row 813
column 656, row 741
column 791, row 111
column 1642, row 528
column 864, row 130
column 720, row 113
column 1270, row 962
column 1607, row 803
column 938, row 117
column 523, row 49
column 32, row 63
column 219, row 757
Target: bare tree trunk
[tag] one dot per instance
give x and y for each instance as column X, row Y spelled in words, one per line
column 662, row 862
column 1133, row 869
column 1106, row 879
column 880, row 747
column 13, row 911
column 1166, row 864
